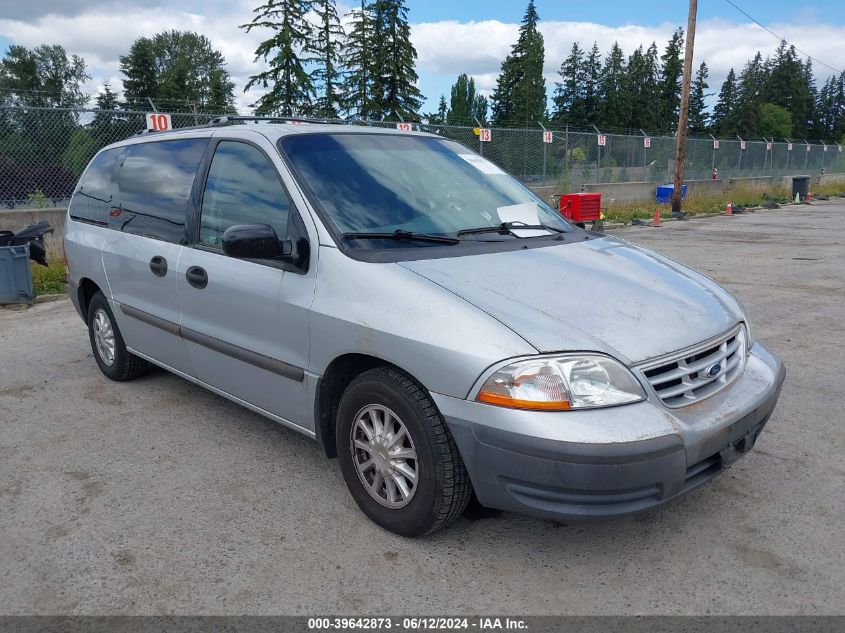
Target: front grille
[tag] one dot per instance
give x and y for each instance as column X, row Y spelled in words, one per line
column 698, row 372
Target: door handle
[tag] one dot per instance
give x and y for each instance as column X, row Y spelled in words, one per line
column 159, row 266
column 197, row 277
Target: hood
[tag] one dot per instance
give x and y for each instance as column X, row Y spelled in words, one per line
column 603, row 294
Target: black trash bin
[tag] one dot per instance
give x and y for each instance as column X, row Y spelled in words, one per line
column 800, row 186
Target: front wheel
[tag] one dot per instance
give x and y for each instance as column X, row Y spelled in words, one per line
column 398, row 459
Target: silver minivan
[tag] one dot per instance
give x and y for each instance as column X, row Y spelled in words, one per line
column 426, row 318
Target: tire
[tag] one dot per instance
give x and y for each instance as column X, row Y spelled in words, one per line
column 124, row 365
column 442, row 489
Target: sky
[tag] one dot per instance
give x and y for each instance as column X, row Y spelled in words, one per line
column 451, row 37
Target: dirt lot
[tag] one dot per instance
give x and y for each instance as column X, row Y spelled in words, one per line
column 159, row 497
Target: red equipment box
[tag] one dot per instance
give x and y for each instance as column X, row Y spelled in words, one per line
column 581, row 207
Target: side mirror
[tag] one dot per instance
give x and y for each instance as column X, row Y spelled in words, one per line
column 259, row 241
column 255, row 241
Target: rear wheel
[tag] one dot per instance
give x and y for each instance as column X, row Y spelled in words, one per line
column 398, row 459
column 110, row 352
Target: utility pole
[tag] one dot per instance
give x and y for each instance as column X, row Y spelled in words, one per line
column 684, row 114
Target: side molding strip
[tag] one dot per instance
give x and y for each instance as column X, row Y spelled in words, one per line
column 150, row 319
column 248, row 356
column 245, row 355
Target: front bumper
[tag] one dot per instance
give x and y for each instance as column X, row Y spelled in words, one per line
column 613, row 461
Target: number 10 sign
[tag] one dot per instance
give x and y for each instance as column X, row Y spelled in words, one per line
column 158, row 122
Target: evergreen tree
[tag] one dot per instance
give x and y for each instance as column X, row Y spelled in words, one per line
column 177, row 70
column 803, row 114
column 358, row 54
column 479, row 109
column 614, row 109
column 381, row 77
column 590, row 75
column 697, row 107
column 105, row 128
column 288, row 51
column 140, row 74
column 670, row 81
column 395, row 92
column 787, row 86
column 462, row 101
column 442, row 110
column 825, row 110
column 569, row 92
column 640, row 83
column 520, row 95
column 750, row 97
column 837, row 131
column 328, row 44
column 724, row 112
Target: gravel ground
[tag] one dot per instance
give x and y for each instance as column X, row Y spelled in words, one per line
column 159, row 497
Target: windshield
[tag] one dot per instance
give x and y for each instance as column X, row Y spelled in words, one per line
column 380, row 183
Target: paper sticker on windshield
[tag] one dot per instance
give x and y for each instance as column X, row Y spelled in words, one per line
column 481, row 164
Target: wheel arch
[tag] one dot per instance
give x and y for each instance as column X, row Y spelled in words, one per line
column 85, row 292
column 330, row 387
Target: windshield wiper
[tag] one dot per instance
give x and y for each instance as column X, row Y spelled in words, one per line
column 402, row 236
column 509, row 227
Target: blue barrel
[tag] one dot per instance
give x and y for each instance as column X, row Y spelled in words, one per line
column 664, row 193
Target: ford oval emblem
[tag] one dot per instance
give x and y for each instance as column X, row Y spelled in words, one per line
column 714, row 369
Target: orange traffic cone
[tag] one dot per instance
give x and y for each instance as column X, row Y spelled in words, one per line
column 656, row 220
column 729, row 208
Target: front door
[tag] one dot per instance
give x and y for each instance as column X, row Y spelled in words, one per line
column 245, row 323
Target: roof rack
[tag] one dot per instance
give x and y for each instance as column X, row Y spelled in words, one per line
column 228, row 119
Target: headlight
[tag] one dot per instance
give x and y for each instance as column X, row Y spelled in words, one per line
column 560, row 383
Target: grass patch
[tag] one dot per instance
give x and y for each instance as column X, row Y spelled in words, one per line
column 698, row 203
column 827, row 189
column 49, row 280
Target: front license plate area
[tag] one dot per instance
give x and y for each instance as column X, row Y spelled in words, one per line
column 737, row 448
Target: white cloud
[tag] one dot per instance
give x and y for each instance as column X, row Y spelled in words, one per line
column 103, row 32
column 449, row 48
column 101, row 36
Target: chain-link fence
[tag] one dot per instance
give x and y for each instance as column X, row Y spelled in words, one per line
column 568, row 159
column 43, row 151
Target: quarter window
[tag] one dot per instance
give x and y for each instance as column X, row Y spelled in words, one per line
column 93, row 196
column 154, row 187
column 242, row 188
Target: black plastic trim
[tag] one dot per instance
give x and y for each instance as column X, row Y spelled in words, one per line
column 253, row 358
column 101, row 223
column 150, row 319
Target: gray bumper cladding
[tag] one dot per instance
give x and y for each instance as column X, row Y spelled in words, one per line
column 554, row 479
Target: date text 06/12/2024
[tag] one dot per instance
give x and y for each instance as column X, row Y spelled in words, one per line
column 416, row 623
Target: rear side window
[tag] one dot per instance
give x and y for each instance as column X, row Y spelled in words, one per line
column 92, row 200
column 242, row 188
column 154, row 187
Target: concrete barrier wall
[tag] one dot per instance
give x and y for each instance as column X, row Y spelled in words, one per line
column 622, row 191
column 17, row 219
